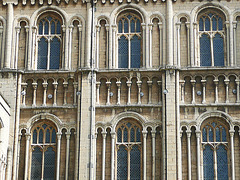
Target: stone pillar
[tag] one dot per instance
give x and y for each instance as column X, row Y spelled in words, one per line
column 44, row 93
column 232, row 153
column 68, row 134
column 107, row 26
column 65, row 85
column 216, row 90
column 58, row 155
column 24, row 87
column 9, row 33
column 159, row 92
column 150, row 26
column 144, row 44
column 97, row 45
column 149, row 92
column 203, row 81
column 153, row 155
column 226, row 81
column 112, row 155
column 160, row 43
column 190, row 62
column 114, row 61
column 189, row 154
column 178, row 25
column 28, row 137
column 144, row 155
column 119, row 92
column 34, row 85
column 17, row 28
column 70, row 47
column 27, row 45
column 139, row 84
column 55, row 93
column 97, row 93
column 193, row 82
column 237, row 82
column 234, row 43
column 108, row 92
column 182, row 82
column 104, row 134
column 129, row 83
column 198, row 136
column 75, row 86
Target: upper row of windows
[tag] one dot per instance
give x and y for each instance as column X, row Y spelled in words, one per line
column 211, row 33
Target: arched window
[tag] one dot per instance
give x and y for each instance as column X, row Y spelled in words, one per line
column 49, row 40
column 129, row 41
column 129, row 151
column 43, row 148
column 211, row 38
column 215, row 150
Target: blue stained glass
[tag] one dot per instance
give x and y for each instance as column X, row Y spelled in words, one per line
column 36, row 166
column 49, row 164
column 207, row 24
column 135, row 52
column 123, row 52
column 34, row 139
column 47, row 136
column 132, row 26
column 214, row 24
column 210, row 133
column 129, row 16
column 40, row 28
column 204, row 135
column 210, row 14
column 132, row 135
column 44, row 126
column 129, row 124
column 40, row 140
column 218, row 139
column 46, row 28
column 53, row 136
column 213, row 124
column 218, row 50
column 122, row 162
column 220, row 24
column 42, row 54
column 49, row 18
column 224, row 135
column 222, row 163
column 138, row 28
column 138, row 135
column 205, row 51
column 125, row 135
column 135, row 163
column 119, row 135
column 58, row 27
column 55, row 53
column 208, row 167
column 201, row 24
column 52, row 27
column 125, row 26
column 120, row 26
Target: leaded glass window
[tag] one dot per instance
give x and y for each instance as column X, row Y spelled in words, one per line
column 211, row 39
column 43, row 148
column 129, row 151
column 49, row 42
column 129, row 41
column 215, row 148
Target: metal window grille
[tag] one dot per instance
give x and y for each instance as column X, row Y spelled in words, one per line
column 49, row 164
column 222, row 163
column 208, row 167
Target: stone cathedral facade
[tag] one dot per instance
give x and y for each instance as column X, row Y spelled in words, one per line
column 119, row 90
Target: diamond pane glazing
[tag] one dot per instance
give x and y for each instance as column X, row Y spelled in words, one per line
column 123, row 52
column 49, row 164
column 205, row 50
column 135, row 163
column 218, row 50
column 122, row 168
column 222, row 163
column 135, row 52
column 55, row 53
column 36, row 166
column 208, row 167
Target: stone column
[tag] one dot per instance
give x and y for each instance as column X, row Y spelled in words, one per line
column 28, row 137
column 119, row 92
column 27, row 47
column 58, row 155
column 203, row 81
column 9, row 33
column 97, row 44
column 114, row 29
column 182, row 82
column 144, row 133
column 68, row 134
column 44, row 93
column 159, row 92
column 139, row 84
column 234, row 43
column 107, row 26
column 178, row 25
column 24, row 87
column 70, row 47
column 198, row 136
column 55, row 93
column 153, row 155
column 190, row 62
column 33, row 58
column 193, row 82
column 150, row 26
column 75, row 86
column 160, row 43
column 237, row 82
column 226, row 81
column 97, row 93
column 112, row 155
column 34, row 85
column 108, row 92
column 129, row 83
column 232, row 153
column 104, row 134
column 216, row 90
column 228, row 46
column 65, row 85
column 17, row 28
column 149, row 92
column 144, row 44
column 180, row 158
column 189, row 154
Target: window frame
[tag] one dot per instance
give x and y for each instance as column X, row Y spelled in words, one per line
column 49, row 37
column 128, row 146
column 212, row 34
column 44, row 145
column 214, row 145
column 129, row 36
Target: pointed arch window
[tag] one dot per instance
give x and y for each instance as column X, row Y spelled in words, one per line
column 129, row 151
column 211, row 39
column 129, row 41
column 49, row 40
column 215, row 150
column 43, row 149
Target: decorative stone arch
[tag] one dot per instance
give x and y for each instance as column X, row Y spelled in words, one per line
column 77, row 17
column 222, row 115
column 44, row 116
column 214, row 5
column 125, row 115
column 102, row 17
column 182, row 14
column 236, row 14
column 141, row 11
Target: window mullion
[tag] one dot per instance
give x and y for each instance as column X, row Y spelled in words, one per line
column 129, row 51
column 43, row 149
column 48, row 53
column 129, row 150
column 212, row 53
column 215, row 162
